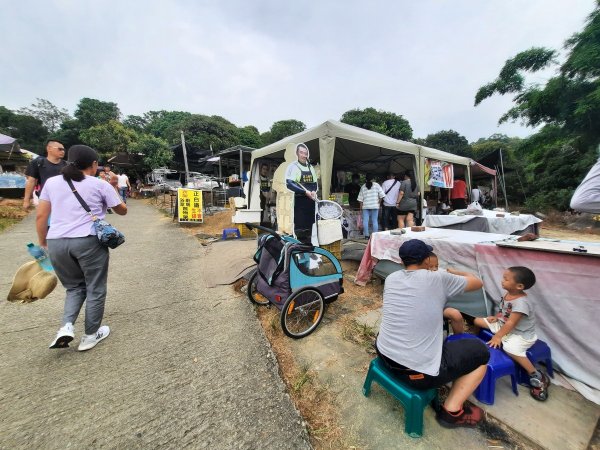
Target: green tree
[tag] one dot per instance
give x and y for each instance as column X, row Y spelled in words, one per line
column 50, row 115
column 249, row 136
column 109, row 138
column 284, row 128
column 166, row 124
column 567, row 107
column 210, row 131
column 68, row 133
column 30, row 131
column 156, row 151
column 449, row 141
column 91, row 112
column 136, row 123
column 388, row 123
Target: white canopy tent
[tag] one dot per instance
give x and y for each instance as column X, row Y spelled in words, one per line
column 337, row 145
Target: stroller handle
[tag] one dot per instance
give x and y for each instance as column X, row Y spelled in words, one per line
column 251, row 226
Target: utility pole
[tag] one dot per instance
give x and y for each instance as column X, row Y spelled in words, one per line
column 185, row 161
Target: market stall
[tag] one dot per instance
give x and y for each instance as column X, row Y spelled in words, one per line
column 488, row 222
column 565, row 294
column 338, row 150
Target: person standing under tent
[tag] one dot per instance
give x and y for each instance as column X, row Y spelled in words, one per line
column 352, row 189
column 301, row 179
column 406, row 204
column 458, row 193
column 390, row 187
column 369, row 197
column 475, row 195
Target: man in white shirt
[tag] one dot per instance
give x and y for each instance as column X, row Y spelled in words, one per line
column 390, row 189
column 123, row 185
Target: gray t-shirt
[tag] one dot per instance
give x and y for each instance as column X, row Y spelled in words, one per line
column 413, row 308
column 526, row 326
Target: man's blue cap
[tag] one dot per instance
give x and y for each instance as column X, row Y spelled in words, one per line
column 415, row 250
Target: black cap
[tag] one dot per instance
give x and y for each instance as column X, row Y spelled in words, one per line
column 82, row 156
column 414, row 250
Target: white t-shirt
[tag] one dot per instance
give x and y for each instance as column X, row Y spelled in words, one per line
column 413, row 309
column 392, row 196
column 123, row 179
column 475, row 195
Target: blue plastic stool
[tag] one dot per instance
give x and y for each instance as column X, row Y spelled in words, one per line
column 499, row 365
column 538, row 352
column 414, row 401
column 228, row 231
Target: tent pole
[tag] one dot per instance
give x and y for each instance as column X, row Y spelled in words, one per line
column 503, row 181
column 185, row 161
column 241, row 169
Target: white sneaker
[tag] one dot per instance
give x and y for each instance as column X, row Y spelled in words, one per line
column 65, row 335
column 89, row 341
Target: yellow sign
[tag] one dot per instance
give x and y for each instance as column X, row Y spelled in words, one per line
column 189, row 205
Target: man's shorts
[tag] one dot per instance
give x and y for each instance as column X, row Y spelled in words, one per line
column 458, row 358
column 512, row 343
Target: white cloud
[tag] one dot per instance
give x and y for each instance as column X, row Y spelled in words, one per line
column 261, row 61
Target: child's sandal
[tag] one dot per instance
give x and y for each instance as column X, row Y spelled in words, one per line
column 540, row 393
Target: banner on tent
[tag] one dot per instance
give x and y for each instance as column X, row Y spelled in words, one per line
column 439, row 173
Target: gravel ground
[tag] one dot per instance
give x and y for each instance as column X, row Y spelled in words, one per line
column 184, row 366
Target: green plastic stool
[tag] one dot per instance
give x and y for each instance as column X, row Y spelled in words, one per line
column 414, row 401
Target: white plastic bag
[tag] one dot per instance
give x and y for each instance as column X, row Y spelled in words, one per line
column 475, row 209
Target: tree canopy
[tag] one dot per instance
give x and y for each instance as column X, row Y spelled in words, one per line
column 384, row 122
column 449, row 141
column 567, row 107
column 50, row 115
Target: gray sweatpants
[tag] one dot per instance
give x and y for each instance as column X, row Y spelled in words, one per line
column 81, row 265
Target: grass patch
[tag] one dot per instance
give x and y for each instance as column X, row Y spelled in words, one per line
column 359, row 333
column 11, row 213
column 314, row 400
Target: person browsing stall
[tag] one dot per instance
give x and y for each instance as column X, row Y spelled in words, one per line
column 369, row 197
column 410, row 341
column 301, row 179
column 352, row 189
column 390, row 187
column 406, row 204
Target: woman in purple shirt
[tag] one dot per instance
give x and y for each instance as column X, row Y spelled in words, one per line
column 79, row 260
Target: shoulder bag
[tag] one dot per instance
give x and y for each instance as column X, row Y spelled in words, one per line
column 108, row 235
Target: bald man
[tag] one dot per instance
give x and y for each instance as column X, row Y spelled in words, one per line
column 42, row 168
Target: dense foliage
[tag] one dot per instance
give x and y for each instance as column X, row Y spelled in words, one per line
column 566, row 107
column 388, row 123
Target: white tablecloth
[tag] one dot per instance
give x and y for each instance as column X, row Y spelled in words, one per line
column 508, row 224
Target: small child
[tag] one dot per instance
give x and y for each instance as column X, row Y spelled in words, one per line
column 514, row 326
column 452, row 314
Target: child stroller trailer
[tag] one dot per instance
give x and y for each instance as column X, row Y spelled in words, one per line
column 297, row 278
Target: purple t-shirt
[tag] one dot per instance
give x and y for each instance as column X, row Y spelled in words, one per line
column 68, row 218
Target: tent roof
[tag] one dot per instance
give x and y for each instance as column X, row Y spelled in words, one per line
column 333, row 128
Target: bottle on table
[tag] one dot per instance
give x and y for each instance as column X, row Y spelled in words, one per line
column 40, row 255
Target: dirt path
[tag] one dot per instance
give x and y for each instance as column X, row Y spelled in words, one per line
column 185, row 366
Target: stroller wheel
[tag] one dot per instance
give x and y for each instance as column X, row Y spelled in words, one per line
column 256, row 297
column 302, row 313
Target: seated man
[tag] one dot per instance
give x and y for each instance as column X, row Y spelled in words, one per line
column 410, row 341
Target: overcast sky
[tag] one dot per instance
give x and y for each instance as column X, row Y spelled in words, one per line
column 256, row 62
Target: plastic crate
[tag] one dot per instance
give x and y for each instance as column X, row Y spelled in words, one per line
column 335, row 248
column 245, row 232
